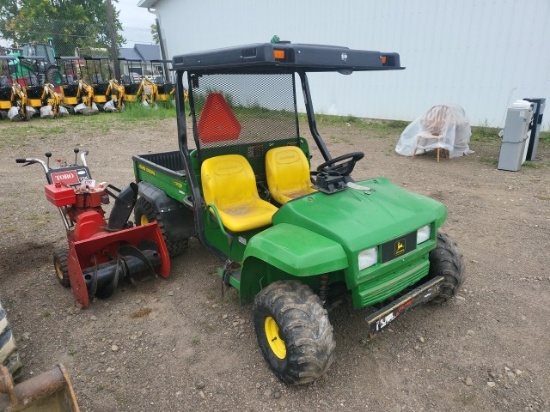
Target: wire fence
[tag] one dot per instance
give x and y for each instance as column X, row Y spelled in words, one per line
column 63, row 52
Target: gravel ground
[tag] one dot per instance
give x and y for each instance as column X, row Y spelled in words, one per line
column 178, row 345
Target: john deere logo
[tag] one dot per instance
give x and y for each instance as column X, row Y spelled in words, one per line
column 399, row 247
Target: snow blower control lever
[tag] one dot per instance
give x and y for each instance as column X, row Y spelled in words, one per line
column 101, row 252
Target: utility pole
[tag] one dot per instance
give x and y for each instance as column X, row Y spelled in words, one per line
column 113, row 37
column 162, row 52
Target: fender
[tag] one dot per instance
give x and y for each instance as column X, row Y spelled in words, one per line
column 179, row 220
column 284, row 251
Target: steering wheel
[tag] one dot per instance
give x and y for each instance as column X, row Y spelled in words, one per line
column 343, row 165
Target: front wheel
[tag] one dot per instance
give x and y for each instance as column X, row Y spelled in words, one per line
column 446, row 261
column 60, row 260
column 293, row 331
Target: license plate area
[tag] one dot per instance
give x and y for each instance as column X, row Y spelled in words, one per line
column 422, row 294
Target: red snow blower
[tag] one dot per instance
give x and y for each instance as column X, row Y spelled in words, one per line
column 101, row 251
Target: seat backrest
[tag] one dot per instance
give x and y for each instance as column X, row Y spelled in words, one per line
column 287, row 172
column 228, row 181
column 436, row 120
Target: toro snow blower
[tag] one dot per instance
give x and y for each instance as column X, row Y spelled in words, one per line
column 101, row 251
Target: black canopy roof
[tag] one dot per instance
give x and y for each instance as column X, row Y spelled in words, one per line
column 285, row 57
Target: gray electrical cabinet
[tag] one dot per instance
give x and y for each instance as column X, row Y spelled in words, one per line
column 540, row 104
column 515, row 136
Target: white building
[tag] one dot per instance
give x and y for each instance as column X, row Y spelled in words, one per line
column 481, row 54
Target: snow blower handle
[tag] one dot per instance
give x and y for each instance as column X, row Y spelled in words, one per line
column 31, row 161
column 83, row 157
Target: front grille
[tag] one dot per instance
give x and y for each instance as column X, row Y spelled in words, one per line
column 399, row 247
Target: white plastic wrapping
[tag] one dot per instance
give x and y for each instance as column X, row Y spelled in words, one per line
column 444, row 126
column 82, row 108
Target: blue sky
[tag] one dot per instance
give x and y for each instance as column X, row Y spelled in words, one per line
column 136, row 22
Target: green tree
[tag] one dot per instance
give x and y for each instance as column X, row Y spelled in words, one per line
column 70, row 23
column 155, row 33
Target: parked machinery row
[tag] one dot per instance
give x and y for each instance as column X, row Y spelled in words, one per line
column 75, row 84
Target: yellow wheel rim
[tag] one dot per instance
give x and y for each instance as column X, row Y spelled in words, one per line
column 143, row 220
column 276, row 344
column 58, row 270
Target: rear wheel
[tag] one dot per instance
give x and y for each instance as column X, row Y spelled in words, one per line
column 53, row 76
column 293, row 331
column 145, row 212
column 446, row 261
column 60, row 264
column 9, row 355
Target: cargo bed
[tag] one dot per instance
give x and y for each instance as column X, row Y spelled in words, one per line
column 164, row 170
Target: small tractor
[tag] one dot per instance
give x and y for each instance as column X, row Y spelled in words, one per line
column 290, row 239
column 101, row 252
column 34, row 60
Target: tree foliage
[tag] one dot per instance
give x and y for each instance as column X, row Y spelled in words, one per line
column 155, row 34
column 70, row 23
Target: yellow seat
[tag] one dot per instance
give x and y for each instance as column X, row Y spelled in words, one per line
column 287, row 171
column 229, row 185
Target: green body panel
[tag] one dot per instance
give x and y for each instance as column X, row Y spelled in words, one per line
column 175, row 185
column 286, row 251
column 297, row 251
column 358, row 221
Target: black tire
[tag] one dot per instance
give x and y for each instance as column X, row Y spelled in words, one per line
column 53, row 76
column 8, row 349
column 294, row 332
column 446, row 260
column 145, row 212
column 60, row 263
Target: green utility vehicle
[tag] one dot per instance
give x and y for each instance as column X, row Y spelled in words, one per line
column 290, row 240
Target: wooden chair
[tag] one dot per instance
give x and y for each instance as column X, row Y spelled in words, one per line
column 434, row 123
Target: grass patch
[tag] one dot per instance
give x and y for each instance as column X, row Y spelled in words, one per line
column 485, row 134
column 137, row 112
column 489, row 161
column 533, row 165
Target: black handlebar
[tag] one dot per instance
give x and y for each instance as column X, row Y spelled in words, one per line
column 20, row 160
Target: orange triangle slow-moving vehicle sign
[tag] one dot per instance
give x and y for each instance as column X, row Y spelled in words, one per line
column 217, row 122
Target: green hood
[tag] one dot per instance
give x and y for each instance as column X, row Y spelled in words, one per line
column 358, row 220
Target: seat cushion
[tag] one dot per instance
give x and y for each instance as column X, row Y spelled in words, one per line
column 230, row 186
column 287, row 171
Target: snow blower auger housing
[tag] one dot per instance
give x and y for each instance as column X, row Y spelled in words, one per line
column 101, row 252
column 291, row 239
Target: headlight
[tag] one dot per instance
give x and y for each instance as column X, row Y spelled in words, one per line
column 423, row 234
column 368, row 257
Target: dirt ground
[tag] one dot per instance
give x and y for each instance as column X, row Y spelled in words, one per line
column 178, row 345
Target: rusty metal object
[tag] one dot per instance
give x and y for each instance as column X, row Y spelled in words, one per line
column 51, row 391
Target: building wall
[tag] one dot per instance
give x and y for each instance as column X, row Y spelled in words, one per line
column 481, row 54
